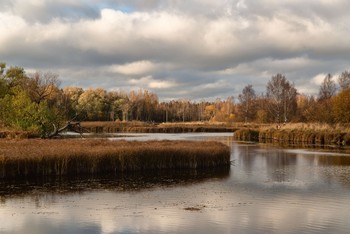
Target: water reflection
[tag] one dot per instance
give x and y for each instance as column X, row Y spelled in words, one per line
column 266, row 190
column 131, row 181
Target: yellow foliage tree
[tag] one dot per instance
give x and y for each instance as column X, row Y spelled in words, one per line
column 341, row 106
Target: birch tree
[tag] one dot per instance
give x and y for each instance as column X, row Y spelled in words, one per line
column 282, row 98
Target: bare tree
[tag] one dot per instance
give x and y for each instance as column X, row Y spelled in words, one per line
column 344, row 80
column 247, row 99
column 282, row 97
column 42, row 85
column 327, row 88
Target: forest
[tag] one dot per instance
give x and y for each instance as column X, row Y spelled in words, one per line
column 34, row 102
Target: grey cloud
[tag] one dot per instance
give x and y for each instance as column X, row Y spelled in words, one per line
column 46, row 11
column 209, row 48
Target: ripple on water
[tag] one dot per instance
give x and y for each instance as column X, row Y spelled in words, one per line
column 267, row 190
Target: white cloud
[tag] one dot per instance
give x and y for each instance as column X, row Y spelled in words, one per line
column 150, row 82
column 135, row 68
column 193, row 42
column 319, row 78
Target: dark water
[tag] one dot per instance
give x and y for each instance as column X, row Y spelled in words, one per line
column 266, row 190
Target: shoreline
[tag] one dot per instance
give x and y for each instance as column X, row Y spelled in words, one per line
column 336, row 139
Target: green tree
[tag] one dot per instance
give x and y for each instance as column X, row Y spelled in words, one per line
column 16, row 76
column 20, row 112
column 93, row 104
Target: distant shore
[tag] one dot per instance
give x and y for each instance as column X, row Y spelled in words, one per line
column 144, row 127
column 101, row 127
column 307, row 135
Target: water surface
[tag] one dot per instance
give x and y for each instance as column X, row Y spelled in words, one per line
column 266, row 190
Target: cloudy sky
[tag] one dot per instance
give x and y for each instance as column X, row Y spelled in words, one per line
column 193, row 49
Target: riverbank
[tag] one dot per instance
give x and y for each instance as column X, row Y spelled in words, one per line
column 140, row 127
column 38, row 158
column 328, row 136
column 179, row 127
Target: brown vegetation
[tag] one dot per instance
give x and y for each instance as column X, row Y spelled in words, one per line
column 319, row 135
column 38, row 158
column 178, row 127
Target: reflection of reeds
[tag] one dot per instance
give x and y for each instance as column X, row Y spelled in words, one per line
column 131, row 181
column 35, row 158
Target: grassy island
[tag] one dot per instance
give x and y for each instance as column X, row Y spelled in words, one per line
column 38, row 158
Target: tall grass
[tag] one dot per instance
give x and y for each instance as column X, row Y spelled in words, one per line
column 304, row 134
column 35, row 158
column 142, row 127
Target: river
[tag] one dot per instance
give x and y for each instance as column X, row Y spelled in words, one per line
column 268, row 189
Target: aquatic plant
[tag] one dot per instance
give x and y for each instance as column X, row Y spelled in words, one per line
column 142, row 127
column 305, row 136
column 35, row 157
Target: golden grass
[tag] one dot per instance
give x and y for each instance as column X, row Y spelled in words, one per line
column 35, row 158
column 320, row 135
column 177, row 127
column 309, row 126
column 13, row 134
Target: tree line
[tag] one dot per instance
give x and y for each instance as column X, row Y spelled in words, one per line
column 34, row 102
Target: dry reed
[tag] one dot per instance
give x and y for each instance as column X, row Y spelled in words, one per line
column 142, row 127
column 304, row 134
column 35, row 158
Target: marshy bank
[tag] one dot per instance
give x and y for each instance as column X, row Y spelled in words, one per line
column 34, row 158
column 305, row 137
column 143, row 127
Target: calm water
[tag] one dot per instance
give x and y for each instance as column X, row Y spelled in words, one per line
column 266, row 190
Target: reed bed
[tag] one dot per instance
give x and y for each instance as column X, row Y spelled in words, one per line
column 142, row 127
column 319, row 136
column 12, row 134
column 37, row 158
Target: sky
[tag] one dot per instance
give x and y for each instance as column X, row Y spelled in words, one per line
column 193, row 49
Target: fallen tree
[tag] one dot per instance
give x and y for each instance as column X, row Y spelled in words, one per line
column 72, row 126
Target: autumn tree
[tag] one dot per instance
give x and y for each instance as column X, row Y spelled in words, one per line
column 282, row 98
column 70, row 103
column 341, row 106
column 114, row 105
column 262, row 107
column 247, row 103
column 30, row 103
column 323, row 109
column 42, row 86
column 92, row 103
column 306, row 111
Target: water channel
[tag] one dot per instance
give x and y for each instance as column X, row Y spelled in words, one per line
column 268, row 189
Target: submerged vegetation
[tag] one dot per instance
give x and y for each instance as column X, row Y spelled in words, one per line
column 39, row 158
